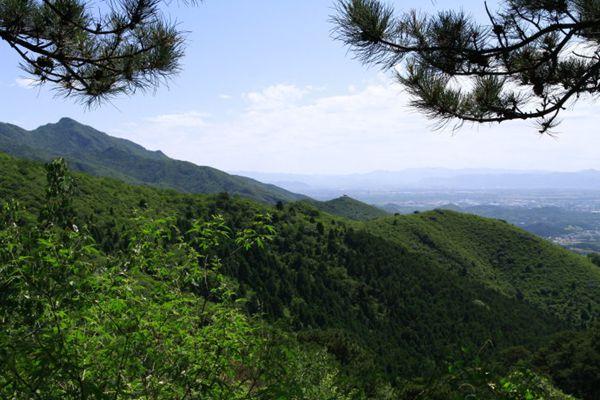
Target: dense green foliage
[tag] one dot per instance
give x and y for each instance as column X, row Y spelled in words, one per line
column 469, row 378
column 96, row 153
column 348, row 207
column 157, row 320
column 389, row 300
column 504, row 258
column 573, row 359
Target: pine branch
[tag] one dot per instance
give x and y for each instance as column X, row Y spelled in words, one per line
column 522, row 64
column 127, row 47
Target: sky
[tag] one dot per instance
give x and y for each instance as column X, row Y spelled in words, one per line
column 265, row 88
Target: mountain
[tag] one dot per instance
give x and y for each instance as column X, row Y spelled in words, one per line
column 322, row 186
column 579, row 180
column 395, row 297
column 91, row 151
column 350, row 208
column 502, row 257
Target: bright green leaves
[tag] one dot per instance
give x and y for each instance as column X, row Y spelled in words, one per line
column 157, row 320
column 45, row 276
column 206, row 235
column 257, row 234
column 58, row 209
column 471, row 379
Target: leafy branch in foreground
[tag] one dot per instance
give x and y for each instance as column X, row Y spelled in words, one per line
column 92, row 50
column 79, row 323
column 530, row 61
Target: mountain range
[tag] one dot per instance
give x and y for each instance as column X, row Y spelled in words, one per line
column 431, row 178
column 91, row 151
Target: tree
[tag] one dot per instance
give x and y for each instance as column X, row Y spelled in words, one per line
column 157, row 320
column 530, row 61
column 92, row 50
column 58, row 209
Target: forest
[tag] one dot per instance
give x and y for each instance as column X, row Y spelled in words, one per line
column 105, row 283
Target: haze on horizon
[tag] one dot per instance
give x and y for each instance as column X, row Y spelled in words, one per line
column 297, row 103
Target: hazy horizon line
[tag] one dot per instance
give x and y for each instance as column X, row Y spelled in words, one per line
column 411, row 169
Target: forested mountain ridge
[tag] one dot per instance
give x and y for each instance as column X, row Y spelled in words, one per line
column 348, row 207
column 502, row 257
column 91, row 151
column 94, row 152
column 373, row 293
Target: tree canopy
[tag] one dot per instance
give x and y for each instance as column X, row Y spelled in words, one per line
column 530, row 60
column 90, row 50
column 146, row 293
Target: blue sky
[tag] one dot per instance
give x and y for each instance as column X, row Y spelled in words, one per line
column 265, row 88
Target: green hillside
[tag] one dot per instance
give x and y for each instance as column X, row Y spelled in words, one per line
column 502, row 257
column 97, row 153
column 350, row 208
column 413, row 288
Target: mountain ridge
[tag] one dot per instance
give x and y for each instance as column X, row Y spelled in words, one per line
column 433, row 179
column 92, row 151
column 348, row 207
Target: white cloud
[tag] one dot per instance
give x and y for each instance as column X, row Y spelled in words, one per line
column 26, row 83
column 276, row 96
column 190, row 119
column 225, row 96
column 285, row 128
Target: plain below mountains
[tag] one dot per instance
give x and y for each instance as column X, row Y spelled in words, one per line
column 91, row 151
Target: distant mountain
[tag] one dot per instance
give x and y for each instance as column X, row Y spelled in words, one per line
column 580, row 180
column 350, row 208
column 368, row 181
column 322, row 186
column 94, row 152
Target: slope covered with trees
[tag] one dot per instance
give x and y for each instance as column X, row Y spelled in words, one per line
column 504, row 258
column 97, row 153
column 155, row 320
column 388, row 302
column 348, row 207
